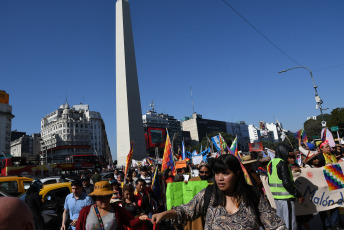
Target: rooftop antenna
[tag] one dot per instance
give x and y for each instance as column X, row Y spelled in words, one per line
column 66, row 97
column 152, row 106
column 193, row 106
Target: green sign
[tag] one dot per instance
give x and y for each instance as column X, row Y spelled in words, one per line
column 178, row 193
column 334, row 128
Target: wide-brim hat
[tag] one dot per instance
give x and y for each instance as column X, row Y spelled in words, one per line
column 311, row 156
column 247, row 159
column 102, row 188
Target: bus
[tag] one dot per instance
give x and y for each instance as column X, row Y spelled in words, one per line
column 88, row 162
column 82, row 158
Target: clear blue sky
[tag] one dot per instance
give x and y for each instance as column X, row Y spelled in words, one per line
column 50, row 49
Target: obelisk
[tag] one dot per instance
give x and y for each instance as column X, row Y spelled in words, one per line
column 129, row 123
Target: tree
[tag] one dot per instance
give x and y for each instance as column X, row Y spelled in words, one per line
column 313, row 127
column 292, row 140
column 337, row 118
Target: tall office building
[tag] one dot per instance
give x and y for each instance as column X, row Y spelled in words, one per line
column 155, row 124
column 128, row 105
column 200, row 128
column 73, row 131
column 27, row 146
column 5, row 123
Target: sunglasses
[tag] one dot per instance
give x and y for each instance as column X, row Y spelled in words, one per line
column 204, row 172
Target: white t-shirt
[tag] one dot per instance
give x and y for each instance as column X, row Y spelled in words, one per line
column 109, row 221
column 305, row 151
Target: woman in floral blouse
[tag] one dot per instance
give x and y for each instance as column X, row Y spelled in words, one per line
column 233, row 204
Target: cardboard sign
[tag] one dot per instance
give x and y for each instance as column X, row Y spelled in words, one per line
column 178, row 193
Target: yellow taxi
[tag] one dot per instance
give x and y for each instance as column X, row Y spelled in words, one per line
column 15, row 185
column 55, row 192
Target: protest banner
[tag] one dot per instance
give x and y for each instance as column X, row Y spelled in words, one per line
column 322, row 188
column 255, row 147
column 178, row 193
column 197, row 159
column 180, row 164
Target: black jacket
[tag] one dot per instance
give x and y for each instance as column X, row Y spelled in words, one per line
column 34, row 201
column 282, row 151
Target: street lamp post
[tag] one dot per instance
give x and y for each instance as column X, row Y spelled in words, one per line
column 317, row 97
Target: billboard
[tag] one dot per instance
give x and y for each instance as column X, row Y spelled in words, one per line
column 4, row 98
column 155, row 137
column 255, row 147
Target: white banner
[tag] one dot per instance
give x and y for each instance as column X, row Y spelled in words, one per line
column 322, row 188
column 197, row 159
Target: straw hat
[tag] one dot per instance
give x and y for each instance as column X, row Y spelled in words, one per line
column 247, row 159
column 311, row 155
column 102, row 188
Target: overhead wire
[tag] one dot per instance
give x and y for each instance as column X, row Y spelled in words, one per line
column 271, row 42
column 261, row 33
column 329, row 67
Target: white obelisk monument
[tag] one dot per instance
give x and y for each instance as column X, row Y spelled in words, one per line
column 128, row 105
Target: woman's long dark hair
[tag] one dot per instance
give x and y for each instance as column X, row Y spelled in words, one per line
column 166, row 176
column 242, row 191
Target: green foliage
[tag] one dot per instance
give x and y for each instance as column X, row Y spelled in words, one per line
column 292, row 143
column 269, row 144
column 312, row 128
column 337, row 118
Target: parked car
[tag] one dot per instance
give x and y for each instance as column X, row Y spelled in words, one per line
column 53, row 180
column 53, row 197
column 15, row 185
column 105, row 175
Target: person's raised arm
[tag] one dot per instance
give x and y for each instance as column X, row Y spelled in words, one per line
column 170, row 214
column 184, row 212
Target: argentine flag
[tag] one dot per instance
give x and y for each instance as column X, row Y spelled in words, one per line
column 183, row 150
column 216, row 141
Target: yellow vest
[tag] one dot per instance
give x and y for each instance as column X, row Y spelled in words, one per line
column 275, row 183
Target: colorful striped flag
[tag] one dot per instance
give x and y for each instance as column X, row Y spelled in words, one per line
column 304, row 136
column 223, row 144
column 129, row 158
column 167, row 160
column 234, row 151
column 234, row 148
column 298, row 134
column 150, row 160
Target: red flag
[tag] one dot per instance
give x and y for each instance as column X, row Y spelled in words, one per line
column 129, row 158
column 167, row 159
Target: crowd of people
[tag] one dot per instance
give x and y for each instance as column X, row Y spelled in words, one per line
column 229, row 202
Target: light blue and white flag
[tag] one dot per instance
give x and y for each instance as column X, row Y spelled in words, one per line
column 194, row 153
column 216, row 141
column 183, row 150
column 271, row 153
